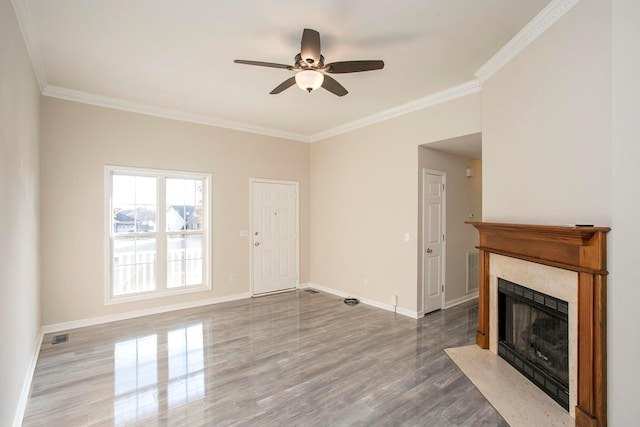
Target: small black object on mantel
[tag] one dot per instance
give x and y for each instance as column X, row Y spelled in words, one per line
column 351, row 301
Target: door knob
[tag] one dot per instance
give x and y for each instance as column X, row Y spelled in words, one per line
column 429, row 250
column 256, row 244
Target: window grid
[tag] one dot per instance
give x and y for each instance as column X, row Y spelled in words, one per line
column 156, row 249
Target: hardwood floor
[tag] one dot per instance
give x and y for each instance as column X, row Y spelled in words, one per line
column 289, row 359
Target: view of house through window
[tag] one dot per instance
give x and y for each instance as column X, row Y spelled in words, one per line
column 158, row 231
column 184, row 232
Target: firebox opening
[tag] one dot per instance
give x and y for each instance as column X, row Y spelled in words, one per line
column 533, row 337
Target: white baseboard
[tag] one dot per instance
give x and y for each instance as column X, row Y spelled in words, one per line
column 373, row 303
column 28, row 378
column 458, row 301
column 57, row 327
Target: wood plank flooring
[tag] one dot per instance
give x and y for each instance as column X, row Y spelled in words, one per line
column 293, row 359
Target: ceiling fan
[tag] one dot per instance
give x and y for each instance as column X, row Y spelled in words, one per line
column 311, row 71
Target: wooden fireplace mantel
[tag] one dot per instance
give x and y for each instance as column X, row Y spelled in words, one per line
column 576, row 248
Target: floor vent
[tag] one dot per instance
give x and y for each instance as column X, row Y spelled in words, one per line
column 311, row 291
column 60, row 339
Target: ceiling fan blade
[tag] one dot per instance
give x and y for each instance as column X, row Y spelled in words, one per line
column 310, row 46
column 263, row 64
column 354, row 66
column 330, row 84
column 284, row 85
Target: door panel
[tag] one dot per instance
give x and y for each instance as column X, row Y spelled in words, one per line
column 433, row 281
column 275, row 243
column 434, row 232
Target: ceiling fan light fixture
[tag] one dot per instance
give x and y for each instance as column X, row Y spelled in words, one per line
column 310, row 69
column 309, row 80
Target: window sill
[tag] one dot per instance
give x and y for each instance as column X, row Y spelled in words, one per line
column 156, row 294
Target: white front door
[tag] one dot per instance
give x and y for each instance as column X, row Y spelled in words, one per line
column 274, row 240
column 432, row 241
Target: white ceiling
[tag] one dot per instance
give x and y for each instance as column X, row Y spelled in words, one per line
column 178, row 55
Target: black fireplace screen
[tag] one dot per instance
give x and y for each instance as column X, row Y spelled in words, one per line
column 533, row 334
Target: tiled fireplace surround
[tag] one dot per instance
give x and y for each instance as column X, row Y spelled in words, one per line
column 568, row 263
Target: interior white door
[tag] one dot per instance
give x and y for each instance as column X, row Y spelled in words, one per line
column 432, row 241
column 274, row 236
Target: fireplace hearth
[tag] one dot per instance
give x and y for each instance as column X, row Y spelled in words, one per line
column 533, row 337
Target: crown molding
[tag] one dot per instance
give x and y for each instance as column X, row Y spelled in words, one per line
column 23, row 17
column 119, row 104
column 419, row 104
column 538, row 25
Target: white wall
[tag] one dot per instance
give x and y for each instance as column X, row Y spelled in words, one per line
column 19, row 263
column 79, row 139
column 463, row 195
column 364, row 187
column 623, row 291
column 546, row 125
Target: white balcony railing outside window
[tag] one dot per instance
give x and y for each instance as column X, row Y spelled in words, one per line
column 135, row 272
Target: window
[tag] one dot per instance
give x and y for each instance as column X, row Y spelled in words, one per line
column 159, row 234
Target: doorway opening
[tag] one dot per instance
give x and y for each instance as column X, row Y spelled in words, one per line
column 459, row 160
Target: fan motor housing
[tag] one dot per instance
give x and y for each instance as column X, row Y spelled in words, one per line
column 309, row 63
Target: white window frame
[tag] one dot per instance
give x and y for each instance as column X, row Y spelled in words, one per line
column 161, row 233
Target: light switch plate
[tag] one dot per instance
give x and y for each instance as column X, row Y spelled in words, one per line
column 244, row 233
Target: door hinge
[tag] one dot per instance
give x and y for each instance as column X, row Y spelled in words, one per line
column 442, row 187
column 443, row 237
column 442, row 288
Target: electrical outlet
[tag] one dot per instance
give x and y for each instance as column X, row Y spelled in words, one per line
column 394, row 300
column 366, row 281
column 232, row 277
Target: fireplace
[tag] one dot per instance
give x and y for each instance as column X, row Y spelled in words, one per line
column 533, row 336
column 577, row 256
